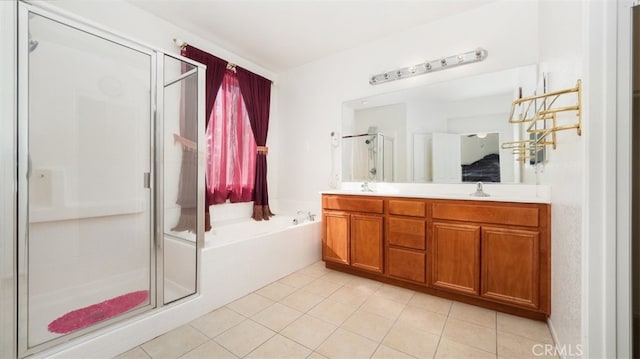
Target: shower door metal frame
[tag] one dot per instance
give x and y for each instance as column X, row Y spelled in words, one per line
column 23, row 170
column 159, row 168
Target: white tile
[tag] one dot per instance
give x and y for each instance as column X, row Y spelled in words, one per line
column 448, row 349
column 174, row 343
column 423, row 320
column 396, row 294
column 384, row 307
column 302, row 300
column 528, row 328
column 368, row 286
column 244, row 337
column 250, row 304
column 135, row 353
column 473, row 314
column 209, row 349
column 515, row 346
column 384, row 352
column 277, row 316
column 338, row 277
column 315, row 270
column 322, row 287
column 474, row 335
column 333, row 312
column 276, row 291
column 280, row 347
column 431, row 303
column 216, row 322
column 368, row 325
column 344, row 344
column 308, row 331
column 412, row 341
column 350, row 296
column 316, row 355
column 297, row 280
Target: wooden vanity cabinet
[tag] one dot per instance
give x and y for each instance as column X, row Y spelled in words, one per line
column 406, row 240
column 492, row 254
column 497, row 251
column 352, row 232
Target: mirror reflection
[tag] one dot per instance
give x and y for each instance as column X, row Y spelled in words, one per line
column 446, row 132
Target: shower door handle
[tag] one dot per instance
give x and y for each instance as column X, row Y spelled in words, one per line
column 29, row 165
column 147, row 180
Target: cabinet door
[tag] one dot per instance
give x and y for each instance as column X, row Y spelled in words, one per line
column 366, row 242
column 456, row 257
column 335, row 237
column 510, row 265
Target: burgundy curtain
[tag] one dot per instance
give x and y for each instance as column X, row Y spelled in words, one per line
column 216, row 68
column 256, row 91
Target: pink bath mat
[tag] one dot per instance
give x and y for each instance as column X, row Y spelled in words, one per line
column 84, row 317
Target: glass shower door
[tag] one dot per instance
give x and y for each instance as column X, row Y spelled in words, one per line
column 85, row 246
column 181, row 129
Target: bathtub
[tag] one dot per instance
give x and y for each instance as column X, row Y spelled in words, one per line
column 229, row 232
column 240, row 257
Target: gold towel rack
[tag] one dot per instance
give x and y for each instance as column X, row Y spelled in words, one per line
column 540, row 113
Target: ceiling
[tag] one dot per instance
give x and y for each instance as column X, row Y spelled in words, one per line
column 280, row 35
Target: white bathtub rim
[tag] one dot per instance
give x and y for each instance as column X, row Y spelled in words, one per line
column 212, row 236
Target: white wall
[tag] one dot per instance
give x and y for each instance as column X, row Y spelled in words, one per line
column 560, row 25
column 311, row 96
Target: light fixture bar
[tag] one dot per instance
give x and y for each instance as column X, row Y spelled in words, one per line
column 444, row 63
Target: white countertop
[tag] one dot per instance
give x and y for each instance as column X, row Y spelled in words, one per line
column 520, row 193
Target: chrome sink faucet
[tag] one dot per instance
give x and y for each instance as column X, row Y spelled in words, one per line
column 365, row 187
column 479, row 191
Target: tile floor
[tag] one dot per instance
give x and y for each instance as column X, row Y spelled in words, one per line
column 320, row 313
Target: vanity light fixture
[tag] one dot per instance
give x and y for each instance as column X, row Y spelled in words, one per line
column 470, row 57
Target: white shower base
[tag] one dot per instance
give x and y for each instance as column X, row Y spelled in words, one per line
column 238, row 258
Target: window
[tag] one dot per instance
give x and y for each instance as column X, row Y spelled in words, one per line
column 231, row 148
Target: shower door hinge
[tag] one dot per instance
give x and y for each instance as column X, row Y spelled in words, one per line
column 147, row 180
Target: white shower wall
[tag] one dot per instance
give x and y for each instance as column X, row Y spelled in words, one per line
column 81, row 182
column 158, row 33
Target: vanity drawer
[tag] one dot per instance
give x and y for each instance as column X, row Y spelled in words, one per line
column 353, row 203
column 506, row 214
column 407, row 208
column 406, row 264
column 406, row 232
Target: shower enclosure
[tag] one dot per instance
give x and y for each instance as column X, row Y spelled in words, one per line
column 109, row 134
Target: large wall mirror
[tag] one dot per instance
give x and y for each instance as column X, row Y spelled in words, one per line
column 447, row 132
